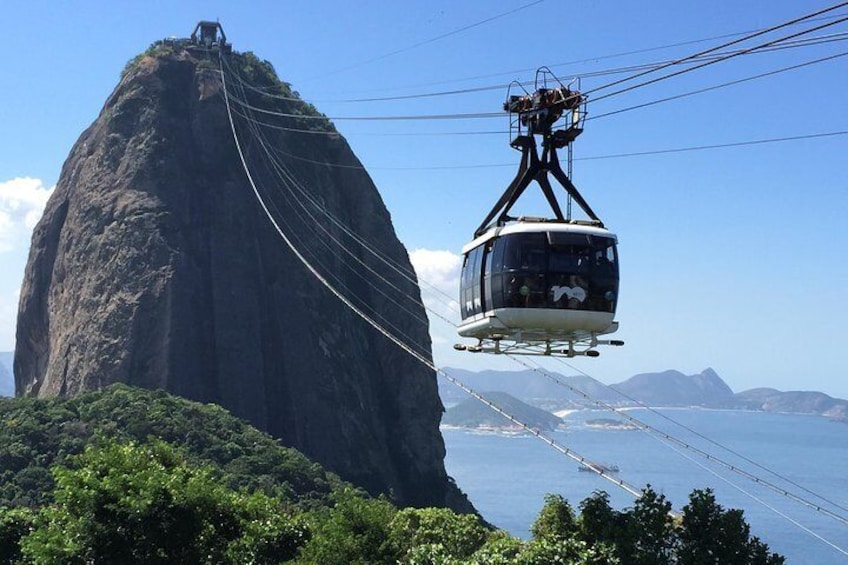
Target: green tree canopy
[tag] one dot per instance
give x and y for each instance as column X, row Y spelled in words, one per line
column 36, row 434
column 710, row 534
column 126, row 503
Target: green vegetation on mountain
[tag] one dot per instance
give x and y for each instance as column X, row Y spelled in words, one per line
column 37, row 434
column 134, row 476
column 125, row 503
column 472, row 413
column 258, row 73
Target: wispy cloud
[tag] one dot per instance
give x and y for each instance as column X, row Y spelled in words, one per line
column 438, row 268
column 8, row 319
column 22, row 202
column 438, row 276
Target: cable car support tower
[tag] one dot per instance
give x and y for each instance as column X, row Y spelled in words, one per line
column 536, row 114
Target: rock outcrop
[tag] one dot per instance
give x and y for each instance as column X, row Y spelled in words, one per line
column 153, row 265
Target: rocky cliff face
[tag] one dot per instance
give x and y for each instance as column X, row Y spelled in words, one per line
column 154, row 266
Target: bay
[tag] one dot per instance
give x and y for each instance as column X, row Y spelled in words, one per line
column 507, row 476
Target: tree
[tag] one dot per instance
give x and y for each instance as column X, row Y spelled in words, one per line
column 15, row 523
column 565, row 551
column 556, row 519
column 599, row 522
column 130, row 503
column 710, row 534
column 653, row 531
column 435, row 532
column 499, row 549
column 352, row 532
column 38, row 434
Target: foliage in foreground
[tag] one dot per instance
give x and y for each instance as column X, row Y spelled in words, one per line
column 130, row 503
column 37, row 434
column 142, row 477
column 145, row 504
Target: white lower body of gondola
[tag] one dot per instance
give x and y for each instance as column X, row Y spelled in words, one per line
column 542, row 331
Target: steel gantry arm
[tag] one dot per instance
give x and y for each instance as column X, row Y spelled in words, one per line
column 534, row 168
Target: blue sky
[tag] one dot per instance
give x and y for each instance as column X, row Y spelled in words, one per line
column 731, row 258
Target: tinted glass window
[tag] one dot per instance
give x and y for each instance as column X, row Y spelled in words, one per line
column 476, row 281
column 466, row 269
column 465, row 300
column 554, row 270
column 495, row 260
column 525, row 252
column 471, row 285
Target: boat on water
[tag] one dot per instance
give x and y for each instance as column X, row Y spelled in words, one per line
column 598, row 466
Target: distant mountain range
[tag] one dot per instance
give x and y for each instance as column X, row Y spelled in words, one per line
column 667, row 388
column 529, row 386
column 7, row 380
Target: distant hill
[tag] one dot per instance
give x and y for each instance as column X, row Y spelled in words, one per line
column 673, row 388
column 755, row 397
column 797, row 402
column 471, row 413
column 7, row 379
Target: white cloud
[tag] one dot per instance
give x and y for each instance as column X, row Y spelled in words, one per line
column 22, row 202
column 438, row 276
column 440, row 269
column 8, row 319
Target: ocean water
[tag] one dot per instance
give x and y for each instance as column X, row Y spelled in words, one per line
column 507, row 476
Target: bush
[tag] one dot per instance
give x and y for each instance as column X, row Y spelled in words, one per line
column 441, row 531
column 352, row 532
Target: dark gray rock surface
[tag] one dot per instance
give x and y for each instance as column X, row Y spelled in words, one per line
column 153, row 265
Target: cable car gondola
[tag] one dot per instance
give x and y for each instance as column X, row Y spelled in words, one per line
column 544, row 286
